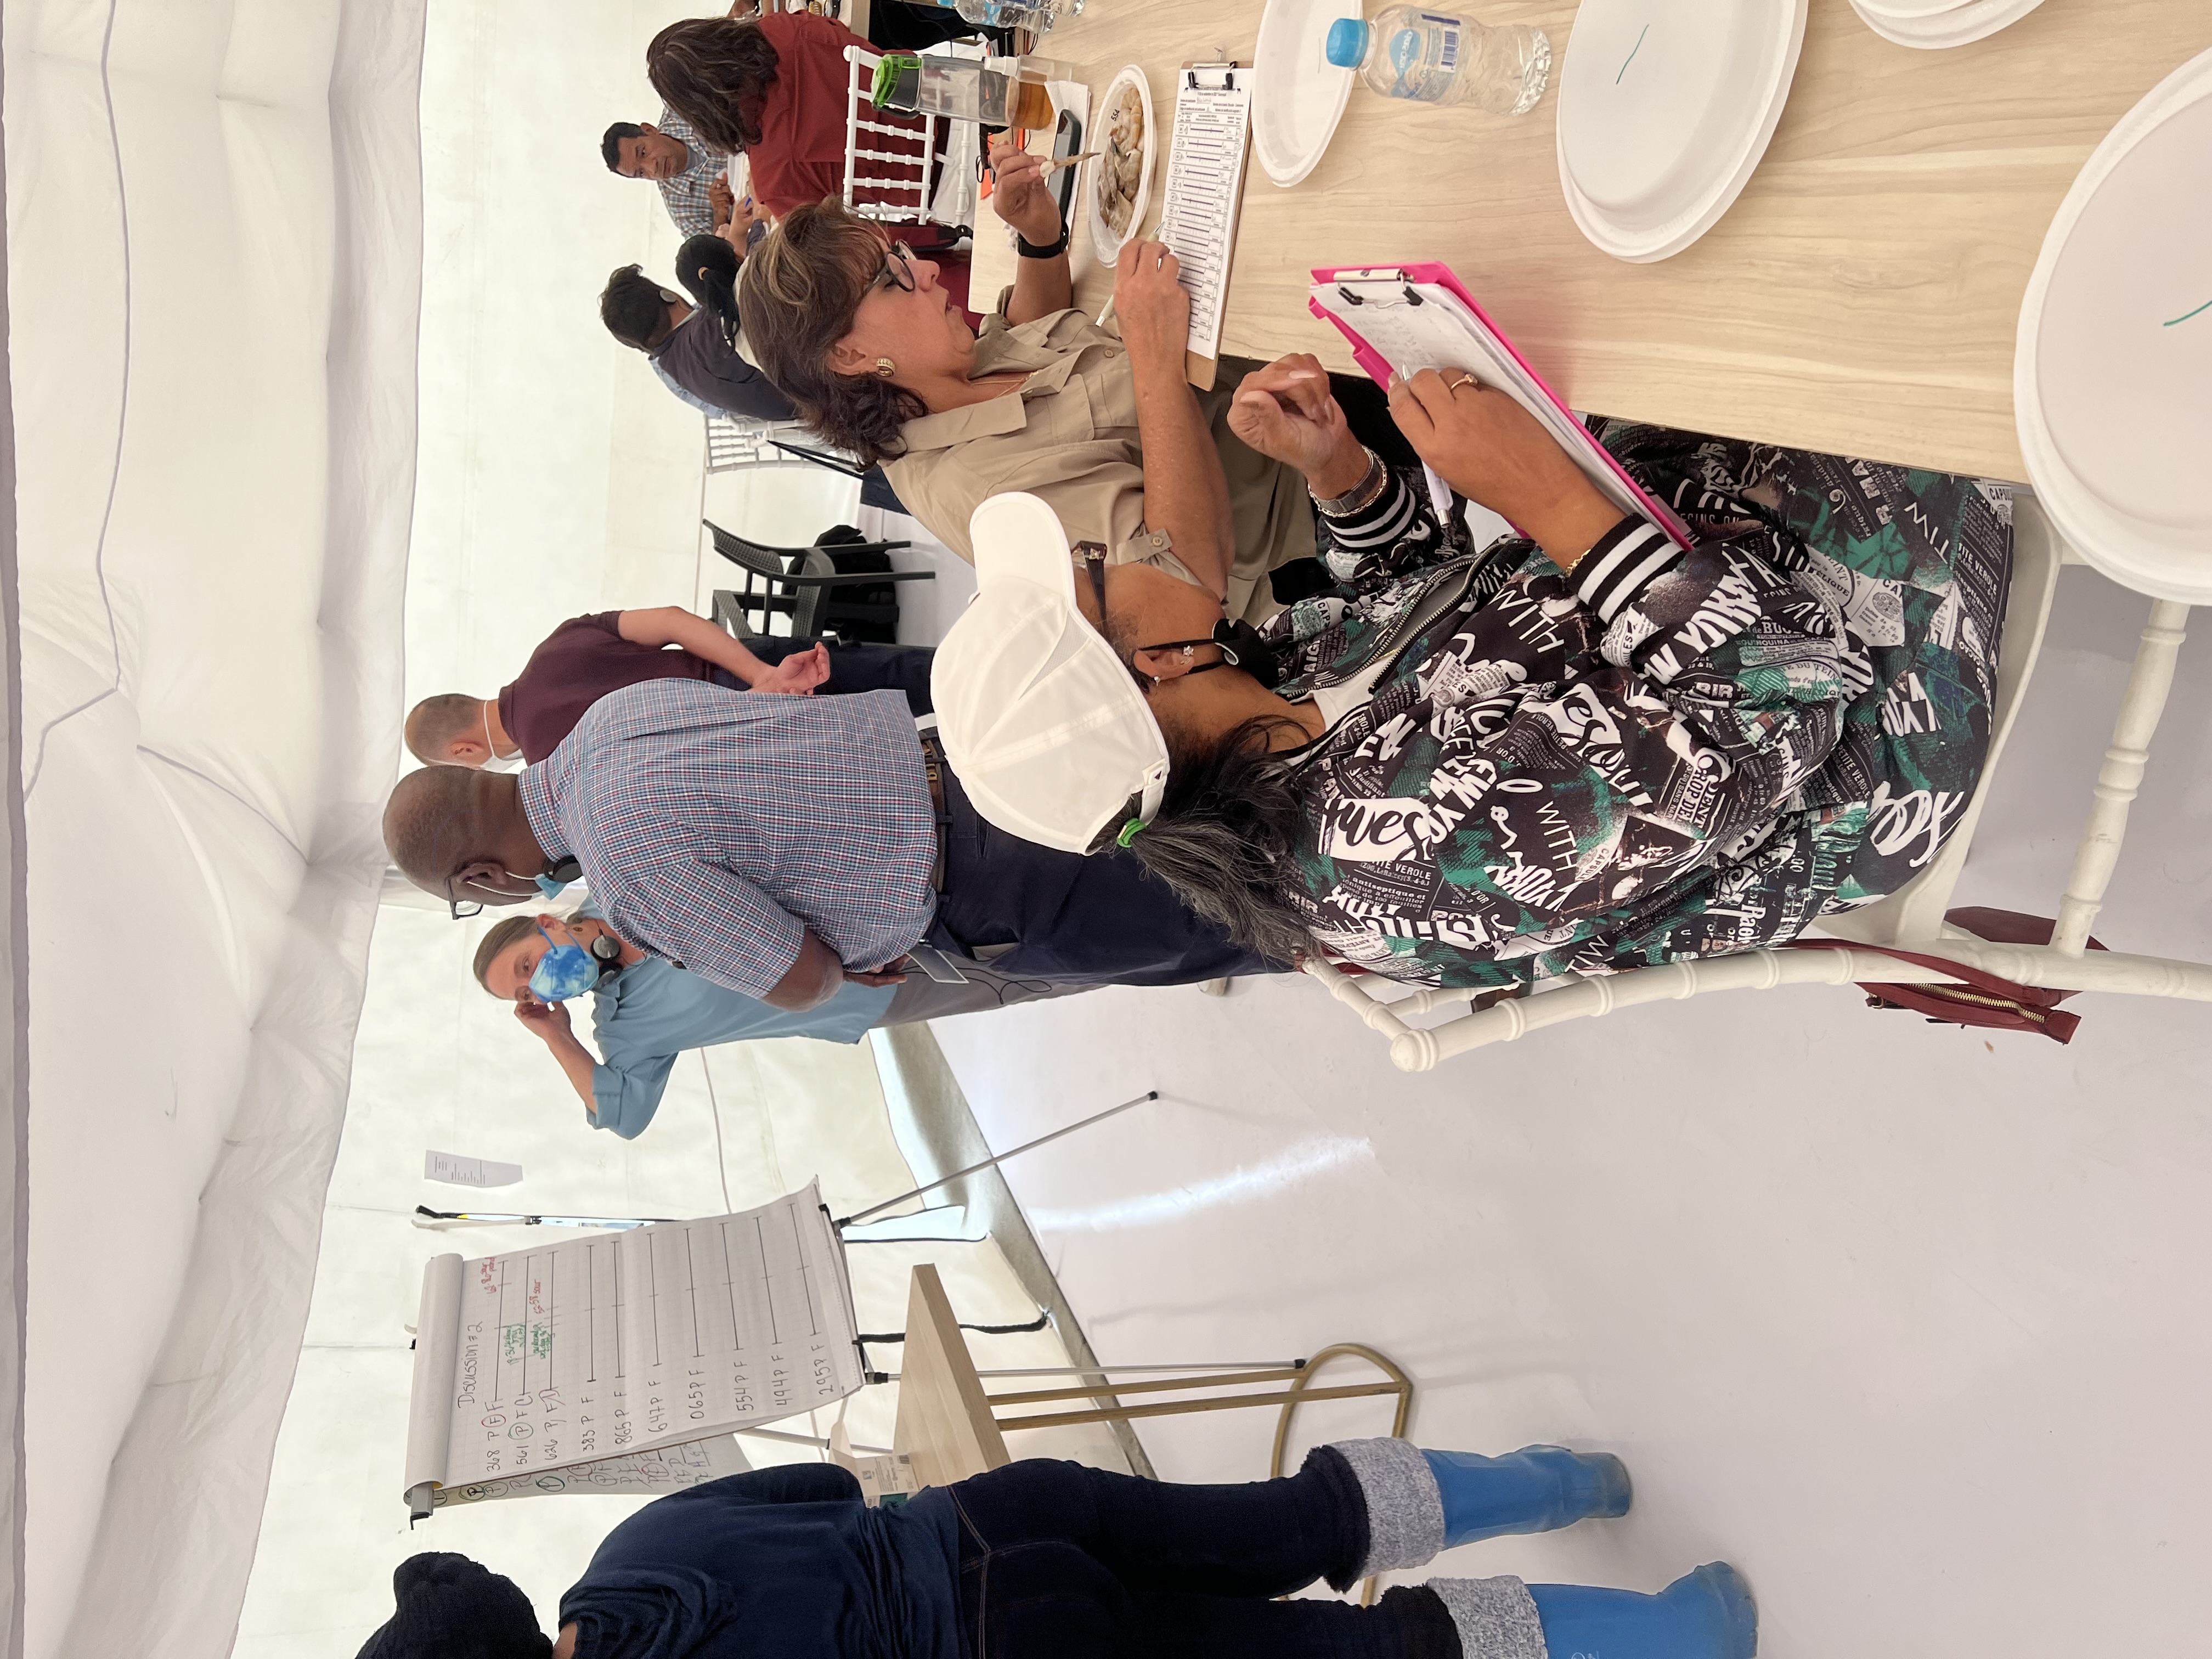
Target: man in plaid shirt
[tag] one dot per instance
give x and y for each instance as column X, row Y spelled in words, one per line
column 781, row 846
column 691, row 172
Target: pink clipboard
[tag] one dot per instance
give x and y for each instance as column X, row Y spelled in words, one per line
column 1377, row 368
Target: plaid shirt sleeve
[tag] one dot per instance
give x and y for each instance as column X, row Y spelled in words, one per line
column 685, row 195
column 720, row 926
column 686, row 198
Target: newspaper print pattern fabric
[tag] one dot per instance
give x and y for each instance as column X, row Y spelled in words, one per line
column 1786, row 719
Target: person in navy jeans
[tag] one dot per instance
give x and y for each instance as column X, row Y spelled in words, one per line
column 1042, row 1559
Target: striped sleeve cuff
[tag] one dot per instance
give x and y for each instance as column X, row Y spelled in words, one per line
column 1386, row 519
column 1625, row 561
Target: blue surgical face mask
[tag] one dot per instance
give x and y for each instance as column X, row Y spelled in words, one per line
column 565, row 970
column 553, row 882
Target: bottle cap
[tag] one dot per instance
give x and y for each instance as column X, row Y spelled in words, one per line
column 896, row 74
column 1347, row 42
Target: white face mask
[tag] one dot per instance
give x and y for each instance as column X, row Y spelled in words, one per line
column 496, row 762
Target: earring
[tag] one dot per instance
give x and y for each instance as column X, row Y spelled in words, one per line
column 885, row 369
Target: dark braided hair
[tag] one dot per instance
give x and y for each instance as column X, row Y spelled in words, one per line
column 708, row 268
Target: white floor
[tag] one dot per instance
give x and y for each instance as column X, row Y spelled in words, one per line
column 1908, row 1322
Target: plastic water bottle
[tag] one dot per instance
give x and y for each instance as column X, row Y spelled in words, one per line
column 1436, row 57
column 1007, row 13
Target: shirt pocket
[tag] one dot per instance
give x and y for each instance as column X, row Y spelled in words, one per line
column 1062, row 418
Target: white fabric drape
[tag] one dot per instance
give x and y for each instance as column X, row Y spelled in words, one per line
column 215, row 245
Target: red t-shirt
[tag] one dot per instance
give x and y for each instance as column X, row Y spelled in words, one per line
column 801, row 154
column 580, row 662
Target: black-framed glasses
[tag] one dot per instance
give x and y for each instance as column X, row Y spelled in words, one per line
column 898, row 270
column 462, row 908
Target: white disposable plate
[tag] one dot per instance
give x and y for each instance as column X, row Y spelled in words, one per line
column 1957, row 27
column 1910, row 10
column 2113, row 369
column 1297, row 95
column 1663, row 118
column 1103, row 242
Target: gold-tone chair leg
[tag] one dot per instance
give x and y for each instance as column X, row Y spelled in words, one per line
column 1299, row 1391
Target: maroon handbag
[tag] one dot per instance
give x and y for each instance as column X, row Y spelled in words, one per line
column 1979, row 999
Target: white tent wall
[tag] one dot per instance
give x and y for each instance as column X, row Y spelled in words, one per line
column 214, row 260
column 15, row 1046
column 558, row 475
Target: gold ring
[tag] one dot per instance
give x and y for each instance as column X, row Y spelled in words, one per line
column 1452, row 387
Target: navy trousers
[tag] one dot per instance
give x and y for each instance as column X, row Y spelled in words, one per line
column 1059, row 1561
column 1096, row 920
column 853, row 668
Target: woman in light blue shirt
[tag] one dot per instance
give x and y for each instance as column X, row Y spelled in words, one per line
column 647, row 1011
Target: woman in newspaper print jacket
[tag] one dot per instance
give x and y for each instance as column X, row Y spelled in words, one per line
column 1583, row 752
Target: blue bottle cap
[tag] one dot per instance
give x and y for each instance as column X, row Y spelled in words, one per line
column 1347, row 42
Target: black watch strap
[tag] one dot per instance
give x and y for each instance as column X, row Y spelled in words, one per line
column 1030, row 250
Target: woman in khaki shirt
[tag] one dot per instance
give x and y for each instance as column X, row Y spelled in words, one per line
column 858, row 332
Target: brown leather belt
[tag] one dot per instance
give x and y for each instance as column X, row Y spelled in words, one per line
column 933, row 766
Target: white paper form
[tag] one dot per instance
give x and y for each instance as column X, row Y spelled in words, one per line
column 1440, row 332
column 611, row 1344
column 1205, row 185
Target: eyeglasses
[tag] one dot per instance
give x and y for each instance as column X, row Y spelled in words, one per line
column 462, row 908
column 897, row 272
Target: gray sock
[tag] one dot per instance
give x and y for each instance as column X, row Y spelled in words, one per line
column 1495, row 1618
column 1405, row 1510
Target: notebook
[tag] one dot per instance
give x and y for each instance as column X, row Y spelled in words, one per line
column 1205, row 188
column 573, row 1360
column 1408, row 317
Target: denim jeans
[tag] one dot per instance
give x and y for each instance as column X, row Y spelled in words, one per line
column 1060, row 1561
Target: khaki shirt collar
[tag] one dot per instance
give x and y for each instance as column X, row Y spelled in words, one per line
column 999, row 351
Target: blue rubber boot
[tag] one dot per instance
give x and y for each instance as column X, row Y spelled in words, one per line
column 1536, row 1489
column 1707, row 1614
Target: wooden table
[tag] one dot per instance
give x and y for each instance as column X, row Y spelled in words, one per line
column 1860, row 297
column 943, row 1416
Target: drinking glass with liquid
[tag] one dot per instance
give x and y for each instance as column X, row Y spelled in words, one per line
column 998, row 91
column 1440, row 58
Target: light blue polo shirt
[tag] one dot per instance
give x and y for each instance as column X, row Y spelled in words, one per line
column 653, row 1011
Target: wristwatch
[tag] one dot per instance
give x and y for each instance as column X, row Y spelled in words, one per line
column 1360, row 495
column 1030, row 250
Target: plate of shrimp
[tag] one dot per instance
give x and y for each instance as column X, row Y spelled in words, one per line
column 1121, row 181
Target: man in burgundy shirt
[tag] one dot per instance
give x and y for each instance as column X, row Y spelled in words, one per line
column 587, row 657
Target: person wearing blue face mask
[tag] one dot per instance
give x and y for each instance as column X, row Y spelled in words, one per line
column 646, row 1011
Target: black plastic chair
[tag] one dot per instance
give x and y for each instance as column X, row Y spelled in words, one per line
column 805, row 584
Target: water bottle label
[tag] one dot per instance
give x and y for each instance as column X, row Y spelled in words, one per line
column 1446, row 32
column 1405, row 51
column 1424, row 59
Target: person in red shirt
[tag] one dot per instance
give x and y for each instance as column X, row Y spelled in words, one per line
column 778, row 87
column 586, row 657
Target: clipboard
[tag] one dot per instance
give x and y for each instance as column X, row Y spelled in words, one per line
column 1204, row 197
column 1432, row 315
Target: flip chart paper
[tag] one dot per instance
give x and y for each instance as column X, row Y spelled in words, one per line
column 458, row 1171
column 611, row 1344
column 665, row 1468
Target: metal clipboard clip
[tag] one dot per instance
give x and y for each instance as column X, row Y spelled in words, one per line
column 1227, row 69
column 1388, row 274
